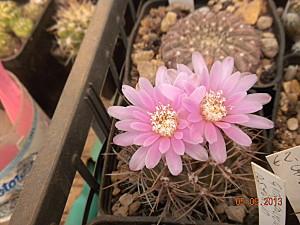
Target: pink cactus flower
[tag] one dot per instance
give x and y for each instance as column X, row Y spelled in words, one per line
column 218, row 103
column 158, row 125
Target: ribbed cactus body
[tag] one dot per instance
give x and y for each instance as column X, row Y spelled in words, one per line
column 195, row 192
column 215, row 36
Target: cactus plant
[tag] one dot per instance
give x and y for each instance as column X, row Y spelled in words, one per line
column 72, row 21
column 16, row 24
column 22, row 27
column 291, row 20
column 215, row 35
column 197, row 191
column 8, row 44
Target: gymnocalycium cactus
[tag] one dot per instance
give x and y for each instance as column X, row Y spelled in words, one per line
column 72, row 21
column 215, row 35
column 184, row 145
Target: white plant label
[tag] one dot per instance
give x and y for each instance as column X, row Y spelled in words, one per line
column 271, row 196
column 286, row 164
column 189, row 3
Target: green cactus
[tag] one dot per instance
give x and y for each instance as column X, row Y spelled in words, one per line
column 22, row 27
column 32, row 11
column 72, row 21
column 8, row 45
column 9, row 11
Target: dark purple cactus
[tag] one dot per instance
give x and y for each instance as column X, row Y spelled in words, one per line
column 215, row 36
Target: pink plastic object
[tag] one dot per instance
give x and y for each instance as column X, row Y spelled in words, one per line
column 10, row 95
column 19, row 109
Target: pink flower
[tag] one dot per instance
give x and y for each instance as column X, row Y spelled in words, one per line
column 220, row 103
column 156, row 124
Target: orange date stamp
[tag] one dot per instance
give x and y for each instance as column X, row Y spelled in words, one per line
column 267, row 201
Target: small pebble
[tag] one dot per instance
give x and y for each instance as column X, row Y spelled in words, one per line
column 220, row 208
column 270, row 47
column 292, row 124
column 290, row 72
column 268, row 35
column 116, row 191
column 168, row 21
column 297, row 140
column 134, row 207
column 142, row 56
column 264, row 22
column 230, row 8
column 236, row 213
column 217, row 7
column 126, row 199
column 122, row 211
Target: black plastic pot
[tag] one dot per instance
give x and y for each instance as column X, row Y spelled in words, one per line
column 36, row 68
column 277, row 26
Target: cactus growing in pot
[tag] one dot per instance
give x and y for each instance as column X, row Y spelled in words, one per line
column 72, row 21
column 215, row 35
column 176, row 130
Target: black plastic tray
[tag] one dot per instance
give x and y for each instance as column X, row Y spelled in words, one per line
column 102, row 55
column 277, row 26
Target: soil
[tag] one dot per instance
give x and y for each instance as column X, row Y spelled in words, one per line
column 287, row 131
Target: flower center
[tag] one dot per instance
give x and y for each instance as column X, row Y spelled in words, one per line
column 212, row 106
column 164, row 120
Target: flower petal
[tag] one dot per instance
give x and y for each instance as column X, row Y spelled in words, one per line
column 153, row 157
column 262, row 98
column 137, row 161
column 215, row 72
column 178, row 146
column 124, row 125
column 246, row 82
column 162, row 76
column 197, row 132
column 131, row 94
column 210, row 132
column 237, row 118
column 194, row 117
column 124, row 139
column 222, row 124
column 258, row 122
column 120, row 112
column 235, row 98
column 227, row 68
column 164, row 144
column 142, row 137
column 178, row 135
column 170, row 91
column 189, row 105
column 200, row 68
column 197, row 152
column 174, row 163
column 198, row 94
column 146, row 85
column 217, row 149
column 140, row 126
column 230, row 83
column 238, row 136
column 246, row 107
column 150, row 140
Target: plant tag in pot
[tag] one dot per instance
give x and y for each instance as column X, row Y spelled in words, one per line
column 286, row 164
column 271, row 196
column 189, row 3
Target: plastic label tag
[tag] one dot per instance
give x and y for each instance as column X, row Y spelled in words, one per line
column 271, row 196
column 286, row 164
column 189, row 3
